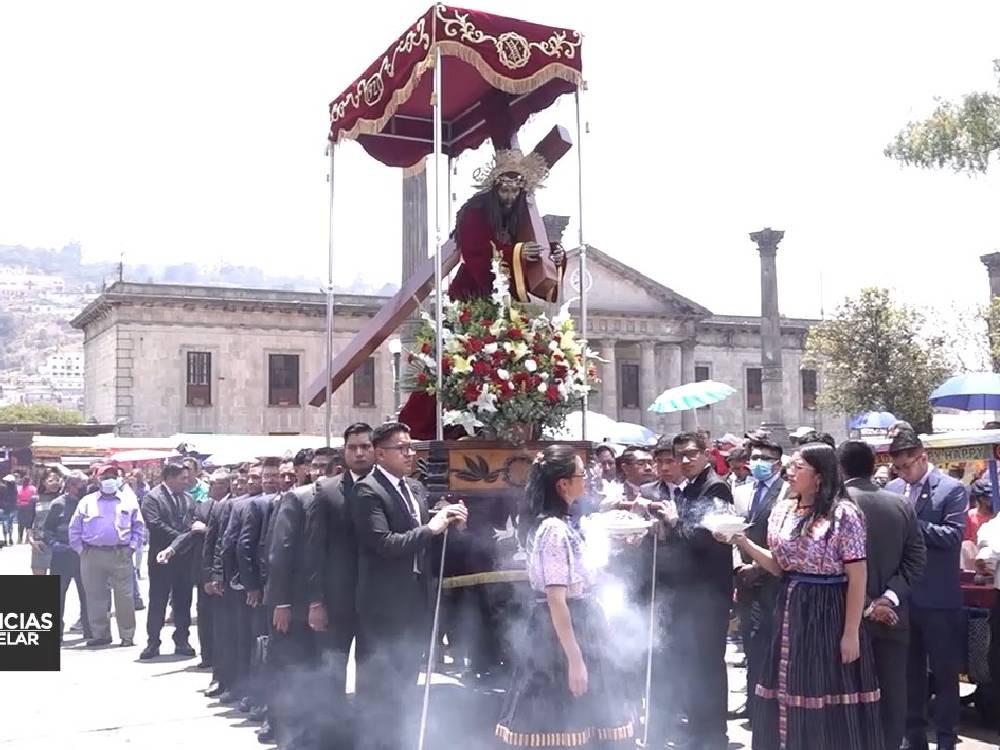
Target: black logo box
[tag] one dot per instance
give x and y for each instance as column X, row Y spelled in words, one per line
column 25, row 646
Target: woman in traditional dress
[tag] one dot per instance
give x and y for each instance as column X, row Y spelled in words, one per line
column 818, row 689
column 565, row 692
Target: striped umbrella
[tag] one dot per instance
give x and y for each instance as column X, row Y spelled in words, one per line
column 691, row 396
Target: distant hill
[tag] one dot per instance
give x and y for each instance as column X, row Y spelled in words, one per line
column 68, row 263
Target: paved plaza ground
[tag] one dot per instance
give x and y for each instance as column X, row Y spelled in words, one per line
column 104, row 699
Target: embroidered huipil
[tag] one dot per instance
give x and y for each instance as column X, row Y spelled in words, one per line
column 820, row 550
column 557, row 559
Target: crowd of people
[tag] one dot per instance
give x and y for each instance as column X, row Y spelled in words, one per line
column 294, row 560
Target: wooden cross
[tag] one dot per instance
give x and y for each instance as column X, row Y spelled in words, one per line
column 415, row 289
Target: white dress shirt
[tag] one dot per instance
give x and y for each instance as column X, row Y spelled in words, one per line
column 409, row 499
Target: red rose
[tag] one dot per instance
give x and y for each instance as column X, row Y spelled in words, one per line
column 540, row 348
column 560, row 372
column 486, row 323
column 552, row 394
column 506, row 394
column 426, row 348
column 489, row 339
column 481, row 368
column 422, row 378
column 557, row 357
column 514, row 333
column 473, row 345
column 471, row 392
column 465, row 316
column 446, row 365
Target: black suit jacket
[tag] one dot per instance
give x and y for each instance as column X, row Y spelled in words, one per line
column 231, row 568
column 690, row 556
column 332, row 547
column 55, row 529
column 251, row 549
column 218, row 522
column 897, row 558
column 286, row 577
column 389, row 596
column 764, row 586
column 191, row 543
column 166, row 520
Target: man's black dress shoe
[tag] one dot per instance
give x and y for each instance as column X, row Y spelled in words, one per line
column 258, row 713
column 215, row 692
column 185, row 649
column 244, row 706
column 228, row 698
column 150, row 652
column 265, row 735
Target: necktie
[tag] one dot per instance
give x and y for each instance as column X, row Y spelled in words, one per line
column 757, row 495
column 408, row 499
column 174, row 508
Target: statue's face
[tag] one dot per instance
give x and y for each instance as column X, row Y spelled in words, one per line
column 508, row 189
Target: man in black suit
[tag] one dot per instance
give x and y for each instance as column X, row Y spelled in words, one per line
column 191, row 545
column 291, row 722
column 756, row 589
column 216, row 586
column 251, row 557
column 332, row 550
column 394, row 531
column 940, row 503
column 701, row 577
column 235, row 594
column 895, row 561
column 169, row 512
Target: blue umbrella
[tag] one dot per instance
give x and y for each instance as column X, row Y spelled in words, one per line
column 873, row 420
column 691, row 396
column 973, row 391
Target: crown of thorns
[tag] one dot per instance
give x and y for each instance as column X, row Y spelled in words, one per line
column 511, row 167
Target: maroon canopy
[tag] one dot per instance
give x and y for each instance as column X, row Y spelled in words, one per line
column 497, row 73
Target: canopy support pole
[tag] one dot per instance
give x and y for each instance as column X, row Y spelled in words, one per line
column 994, row 484
column 583, row 264
column 329, row 306
column 438, row 305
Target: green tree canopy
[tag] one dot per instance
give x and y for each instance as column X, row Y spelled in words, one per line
column 962, row 135
column 38, row 414
column 875, row 357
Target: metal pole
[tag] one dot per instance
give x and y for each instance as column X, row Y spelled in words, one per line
column 432, row 648
column 451, row 169
column 438, row 309
column 329, row 307
column 649, row 645
column 583, row 260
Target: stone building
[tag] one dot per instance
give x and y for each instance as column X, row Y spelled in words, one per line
column 162, row 359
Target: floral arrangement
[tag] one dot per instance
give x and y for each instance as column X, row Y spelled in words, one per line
column 505, row 372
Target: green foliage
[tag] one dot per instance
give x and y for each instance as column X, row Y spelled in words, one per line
column 38, row 414
column 875, row 356
column 962, row 135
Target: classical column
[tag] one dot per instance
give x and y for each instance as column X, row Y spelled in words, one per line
column 609, row 378
column 414, row 243
column 992, row 263
column 647, row 382
column 770, row 335
column 687, row 376
column 668, row 370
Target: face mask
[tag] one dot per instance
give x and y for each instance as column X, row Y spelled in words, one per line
column 761, row 469
column 109, row 486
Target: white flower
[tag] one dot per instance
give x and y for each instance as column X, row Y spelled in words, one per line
column 562, row 317
column 486, row 400
column 543, row 388
column 503, row 374
column 530, row 365
column 491, row 348
column 464, row 419
column 428, row 360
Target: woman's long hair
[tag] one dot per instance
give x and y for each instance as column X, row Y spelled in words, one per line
column 499, row 222
column 542, row 497
column 823, row 459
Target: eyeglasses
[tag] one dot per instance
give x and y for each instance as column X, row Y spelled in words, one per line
column 905, row 465
column 690, row 453
column 578, row 476
column 406, row 450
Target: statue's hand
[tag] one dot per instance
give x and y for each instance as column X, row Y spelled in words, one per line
column 531, row 251
column 557, row 254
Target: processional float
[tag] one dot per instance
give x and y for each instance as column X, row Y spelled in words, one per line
column 454, row 79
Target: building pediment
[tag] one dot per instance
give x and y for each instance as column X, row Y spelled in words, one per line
column 616, row 287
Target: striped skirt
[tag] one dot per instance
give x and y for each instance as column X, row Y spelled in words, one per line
column 807, row 698
column 540, row 711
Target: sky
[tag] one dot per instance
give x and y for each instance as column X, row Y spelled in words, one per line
column 195, row 131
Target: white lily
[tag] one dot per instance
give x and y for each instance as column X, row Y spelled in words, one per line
column 491, row 348
column 486, row 400
column 503, row 374
column 530, row 365
column 464, row 419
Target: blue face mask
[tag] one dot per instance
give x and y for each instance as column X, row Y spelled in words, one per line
column 761, row 469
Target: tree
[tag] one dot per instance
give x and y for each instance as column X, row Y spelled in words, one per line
column 38, row 414
column 962, row 135
column 876, row 356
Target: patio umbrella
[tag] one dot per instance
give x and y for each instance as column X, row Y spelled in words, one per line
column 602, row 428
column 973, row 391
column 873, row 420
column 691, row 396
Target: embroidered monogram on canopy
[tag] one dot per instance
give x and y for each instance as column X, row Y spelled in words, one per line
column 492, row 65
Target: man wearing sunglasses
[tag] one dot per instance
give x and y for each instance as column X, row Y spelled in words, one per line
column 940, row 503
column 394, row 531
